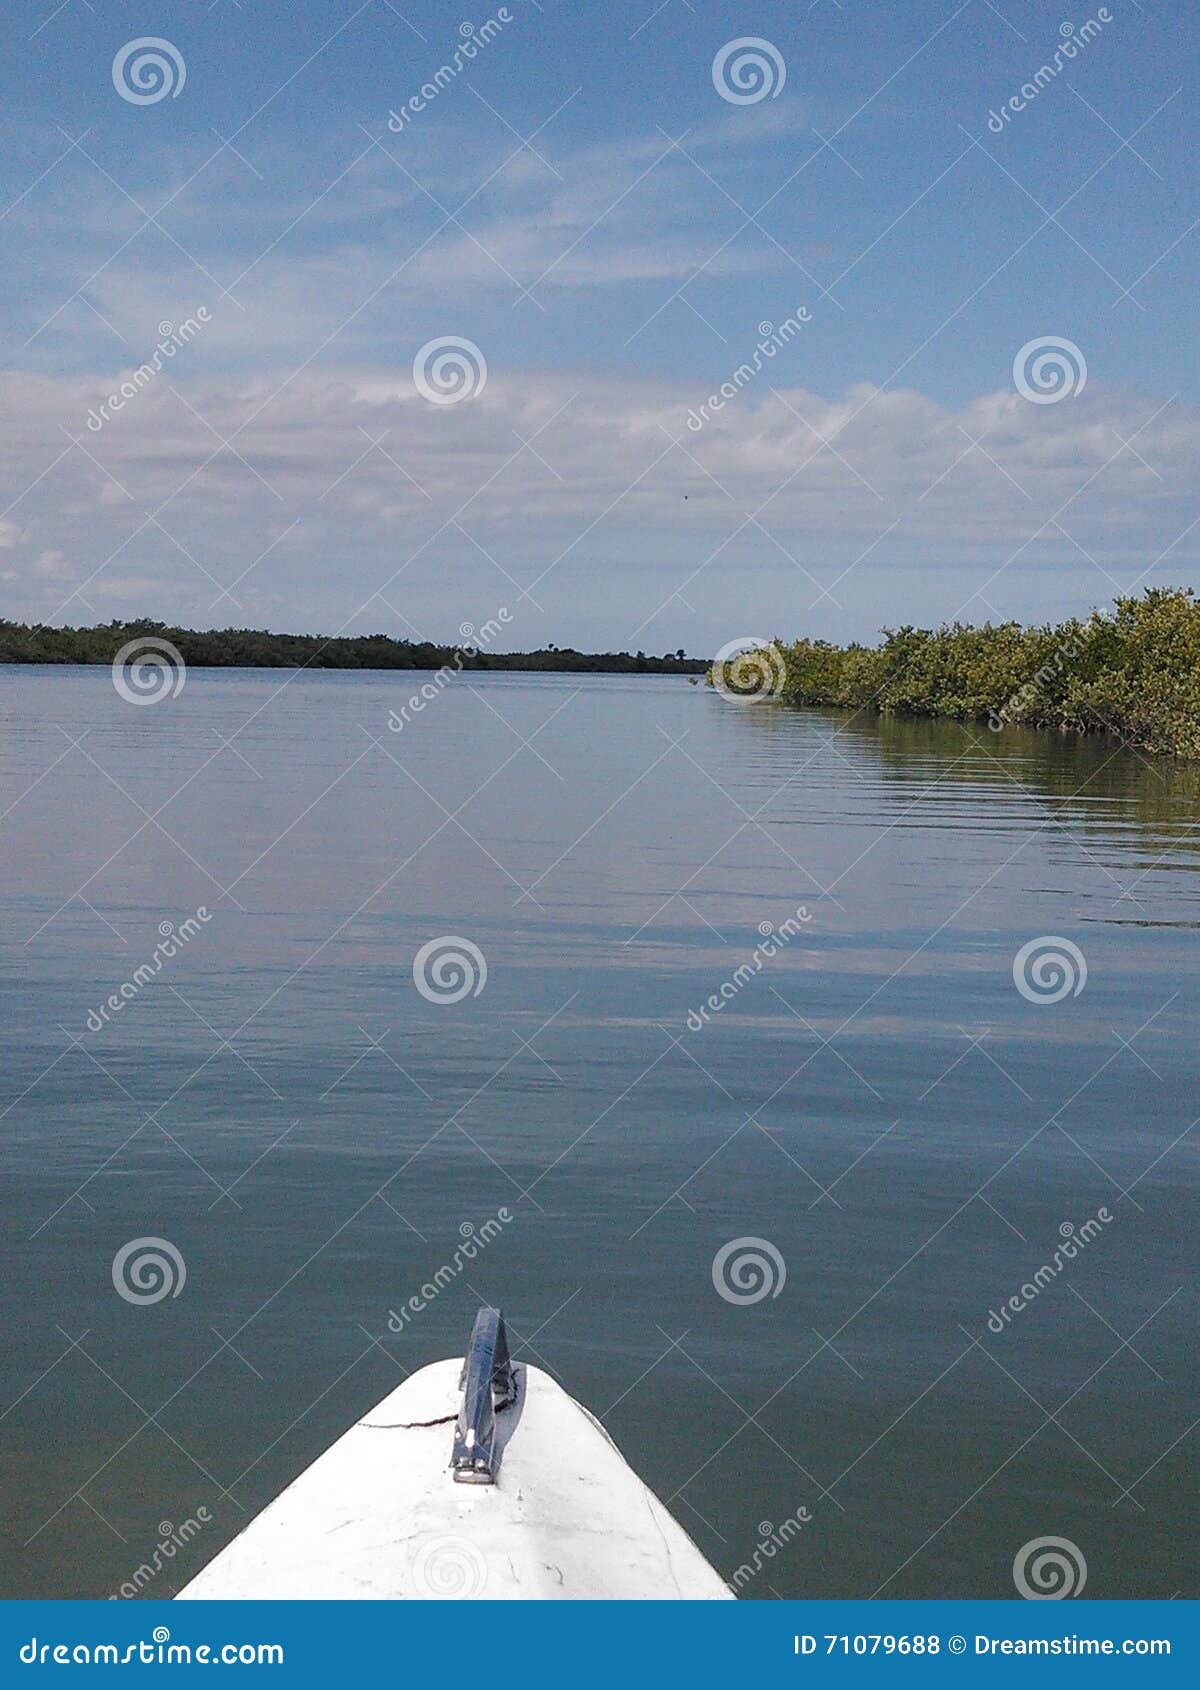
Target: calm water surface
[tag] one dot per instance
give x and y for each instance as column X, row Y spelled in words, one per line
column 910, row 1134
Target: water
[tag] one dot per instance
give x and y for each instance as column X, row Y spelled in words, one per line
column 879, row 1103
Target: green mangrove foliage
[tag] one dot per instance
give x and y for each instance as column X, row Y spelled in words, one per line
column 1133, row 672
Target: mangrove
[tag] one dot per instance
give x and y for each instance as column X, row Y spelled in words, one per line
column 1132, row 672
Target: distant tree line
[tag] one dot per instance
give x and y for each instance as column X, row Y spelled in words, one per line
column 229, row 648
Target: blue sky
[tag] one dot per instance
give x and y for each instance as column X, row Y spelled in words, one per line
column 583, row 206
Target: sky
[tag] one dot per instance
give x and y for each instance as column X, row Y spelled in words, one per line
column 607, row 212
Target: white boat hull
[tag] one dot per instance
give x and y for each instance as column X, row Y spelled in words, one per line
column 378, row 1516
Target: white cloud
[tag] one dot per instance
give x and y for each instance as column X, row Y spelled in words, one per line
column 450, row 514
column 358, row 245
column 619, row 523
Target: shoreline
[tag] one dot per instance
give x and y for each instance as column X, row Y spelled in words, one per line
column 1132, row 673
column 23, row 644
